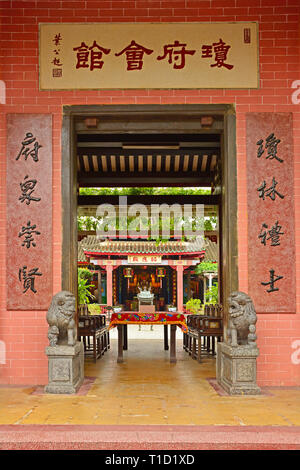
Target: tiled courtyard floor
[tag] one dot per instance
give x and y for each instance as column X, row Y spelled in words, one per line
column 147, row 390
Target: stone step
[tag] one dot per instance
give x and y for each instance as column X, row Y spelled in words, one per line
column 91, row 437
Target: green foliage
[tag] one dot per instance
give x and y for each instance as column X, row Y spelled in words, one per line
column 212, row 294
column 193, row 306
column 206, row 267
column 142, row 191
column 210, row 224
column 84, row 294
column 86, row 223
column 84, row 273
column 89, row 223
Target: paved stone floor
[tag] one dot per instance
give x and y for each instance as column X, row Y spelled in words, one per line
column 147, row 390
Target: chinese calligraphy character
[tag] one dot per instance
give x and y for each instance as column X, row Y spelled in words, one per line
column 272, row 281
column 28, row 278
column 84, row 52
column 26, row 150
column 57, row 39
column 220, row 50
column 271, row 146
column 27, row 188
column 82, row 56
column 134, row 55
column 56, row 61
column 176, row 54
column 27, row 233
column 270, row 192
column 273, row 234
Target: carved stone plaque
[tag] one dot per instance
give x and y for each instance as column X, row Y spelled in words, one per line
column 61, row 370
column 271, row 226
column 245, row 371
column 29, row 211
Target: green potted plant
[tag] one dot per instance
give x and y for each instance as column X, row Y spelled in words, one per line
column 194, row 306
column 84, row 294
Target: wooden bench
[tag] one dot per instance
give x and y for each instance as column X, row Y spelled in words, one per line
column 203, row 332
column 94, row 334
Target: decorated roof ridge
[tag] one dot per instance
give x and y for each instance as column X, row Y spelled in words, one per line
column 90, row 244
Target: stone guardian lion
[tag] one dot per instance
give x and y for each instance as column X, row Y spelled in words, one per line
column 242, row 320
column 60, row 317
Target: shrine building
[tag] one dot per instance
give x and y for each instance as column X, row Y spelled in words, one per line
column 202, row 96
column 121, row 267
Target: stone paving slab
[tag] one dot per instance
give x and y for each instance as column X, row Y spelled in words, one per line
column 147, row 390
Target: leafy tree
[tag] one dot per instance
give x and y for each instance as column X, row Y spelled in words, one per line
column 85, row 273
column 142, row 191
column 206, row 267
column 89, row 223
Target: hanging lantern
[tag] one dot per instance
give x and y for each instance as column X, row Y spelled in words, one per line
column 160, row 272
column 128, row 272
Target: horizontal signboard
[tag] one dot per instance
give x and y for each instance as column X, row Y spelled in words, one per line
column 145, row 259
column 148, row 55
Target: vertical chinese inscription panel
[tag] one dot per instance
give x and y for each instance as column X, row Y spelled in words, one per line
column 270, row 196
column 29, row 211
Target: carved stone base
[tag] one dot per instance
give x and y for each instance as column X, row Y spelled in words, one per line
column 236, row 369
column 65, row 368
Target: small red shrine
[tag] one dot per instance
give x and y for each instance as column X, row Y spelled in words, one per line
column 121, row 268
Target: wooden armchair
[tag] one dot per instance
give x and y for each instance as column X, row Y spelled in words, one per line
column 203, row 332
column 94, row 334
column 212, row 327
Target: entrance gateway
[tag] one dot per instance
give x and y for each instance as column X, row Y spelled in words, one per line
column 95, row 153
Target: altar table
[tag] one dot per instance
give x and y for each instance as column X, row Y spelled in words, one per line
column 122, row 319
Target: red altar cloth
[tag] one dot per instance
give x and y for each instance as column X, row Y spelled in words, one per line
column 157, row 318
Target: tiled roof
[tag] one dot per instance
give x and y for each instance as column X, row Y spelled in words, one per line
column 211, row 251
column 91, row 245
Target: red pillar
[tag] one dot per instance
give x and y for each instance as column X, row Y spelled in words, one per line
column 109, row 285
column 179, row 270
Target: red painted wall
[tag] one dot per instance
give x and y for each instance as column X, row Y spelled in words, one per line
column 24, row 334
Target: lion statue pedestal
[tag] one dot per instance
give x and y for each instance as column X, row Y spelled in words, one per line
column 236, row 358
column 65, row 353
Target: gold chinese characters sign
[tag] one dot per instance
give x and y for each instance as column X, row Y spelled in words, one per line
column 148, row 55
column 145, row 259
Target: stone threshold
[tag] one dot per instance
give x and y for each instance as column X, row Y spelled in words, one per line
column 152, row 437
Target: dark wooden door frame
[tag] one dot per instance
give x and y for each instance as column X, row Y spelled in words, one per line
column 152, row 119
